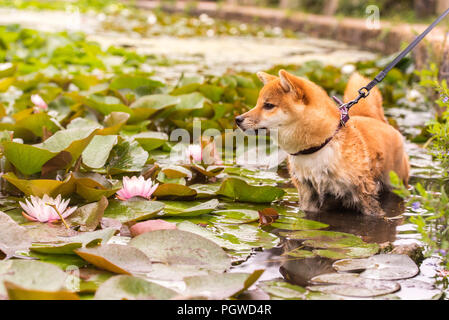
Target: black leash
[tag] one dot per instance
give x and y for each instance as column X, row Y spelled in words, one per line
column 364, row 91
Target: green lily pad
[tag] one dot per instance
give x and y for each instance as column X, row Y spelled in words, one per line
column 97, row 152
column 300, row 253
column 181, row 249
column 150, row 140
column 189, row 208
column 191, row 101
column 126, row 157
column 88, row 216
column 146, row 106
column 125, row 287
column 32, row 275
column 106, row 104
column 133, row 82
column 40, row 187
column 287, row 291
column 381, row 266
column 174, row 172
column 117, row 258
column 67, row 245
column 360, row 251
column 296, row 223
column 233, row 216
column 13, row 237
column 220, row 286
column 127, row 211
column 210, row 171
column 352, row 285
column 173, row 190
column 27, row 159
column 73, row 141
column 239, row 190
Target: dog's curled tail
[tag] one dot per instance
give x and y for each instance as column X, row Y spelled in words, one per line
column 370, row 106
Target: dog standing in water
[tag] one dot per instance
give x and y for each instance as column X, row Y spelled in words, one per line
column 349, row 163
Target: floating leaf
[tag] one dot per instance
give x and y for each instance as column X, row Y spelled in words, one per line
column 117, row 258
column 67, row 245
column 27, row 159
column 126, row 211
column 220, row 286
column 182, row 250
column 126, row 157
column 296, row 223
column 150, row 140
column 300, row 253
column 13, row 237
column 235, row 216
column 40, row 187
column 381, row 266
column 133, row 82
column 173, row 190
column 97, row 152
column 88, row 217
column 146, row 106
column 125, row 287
column 189, row 208
column 239, row 190
column 16, row 292
column 190, row 101
column 174, row 172
column 360, row 251
column 267, row 216
column 352, row 285
column 32, row 275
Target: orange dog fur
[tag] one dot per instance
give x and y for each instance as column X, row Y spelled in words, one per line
column 354, row 166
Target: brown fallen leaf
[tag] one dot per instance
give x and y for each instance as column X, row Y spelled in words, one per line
column 267, row 216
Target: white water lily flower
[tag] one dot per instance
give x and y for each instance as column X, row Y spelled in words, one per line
column 42, row 210
column 134, row 186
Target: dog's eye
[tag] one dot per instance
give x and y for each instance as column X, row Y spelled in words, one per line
column 268, row 106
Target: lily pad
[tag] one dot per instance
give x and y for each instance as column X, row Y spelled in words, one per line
column 300, row 253
column 117, row 258
column 126, row 211
column 182, row 249
column 239, row 190
column 150, row 140
column 296, row 223
column 67, row 245
column 146, row 106
column 381, row 266
column 97, row 152
column 27, row 159
column 220, row 286
column 175, row 172
column 189, row 208
column 126, row 157
column 32, row 275
column 360, row 251
column 88, row 216
column 40, row 187
column 126, row 287
column 13, row 237
column 352, row 285
column 234, row 216
column 173, row 190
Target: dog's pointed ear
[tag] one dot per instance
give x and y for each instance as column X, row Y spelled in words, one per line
column 286, row 82
column 265, row 77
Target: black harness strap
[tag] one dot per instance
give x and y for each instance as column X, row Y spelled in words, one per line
column 364, row 91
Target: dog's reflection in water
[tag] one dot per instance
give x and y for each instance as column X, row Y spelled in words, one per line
column 370, row 229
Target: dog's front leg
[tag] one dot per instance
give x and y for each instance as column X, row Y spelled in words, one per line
column 370, row 205
column 308, row 198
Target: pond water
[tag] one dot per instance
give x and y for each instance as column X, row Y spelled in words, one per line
column 215, row 55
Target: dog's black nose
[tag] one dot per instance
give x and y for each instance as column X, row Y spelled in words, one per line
column 239, row 120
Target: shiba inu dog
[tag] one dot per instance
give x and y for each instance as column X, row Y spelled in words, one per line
column 327, row 160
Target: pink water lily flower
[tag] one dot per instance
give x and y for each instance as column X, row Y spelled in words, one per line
column 43, row 209
column 134, row 186
column 194, row 152
column 38, row 102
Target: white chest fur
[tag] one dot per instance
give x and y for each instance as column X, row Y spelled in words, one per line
column 321, row 170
